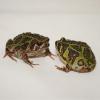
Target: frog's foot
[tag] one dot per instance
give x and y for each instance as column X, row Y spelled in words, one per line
column 29, row 62
column 26, row 60
column 51, row 56
column 64, row 68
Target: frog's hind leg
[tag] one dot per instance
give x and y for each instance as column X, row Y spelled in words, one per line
column 64, row 68
column 25, row 58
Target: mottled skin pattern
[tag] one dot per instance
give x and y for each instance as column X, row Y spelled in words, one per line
column 76, row 55
column 27, row 45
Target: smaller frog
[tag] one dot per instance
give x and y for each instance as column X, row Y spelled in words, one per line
column 28, row 45
column 76, row 55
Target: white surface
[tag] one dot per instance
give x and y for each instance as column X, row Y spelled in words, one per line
column 50, row 6
column 78, row 20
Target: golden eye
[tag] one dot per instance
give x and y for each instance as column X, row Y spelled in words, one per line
column 81, row 62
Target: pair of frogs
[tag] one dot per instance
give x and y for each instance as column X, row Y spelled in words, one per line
column 76, row 55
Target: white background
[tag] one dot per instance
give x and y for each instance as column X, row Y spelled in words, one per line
column 73, row 19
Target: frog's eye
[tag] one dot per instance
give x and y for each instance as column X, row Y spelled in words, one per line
column 62, row 39
column 81, row 62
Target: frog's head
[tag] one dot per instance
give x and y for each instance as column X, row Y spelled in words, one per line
column 61, row 45
column 9, row 47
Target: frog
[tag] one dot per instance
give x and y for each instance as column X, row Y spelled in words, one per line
column 77, row 56
column 28, row 45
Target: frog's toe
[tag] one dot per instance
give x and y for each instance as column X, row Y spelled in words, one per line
column 64, row 69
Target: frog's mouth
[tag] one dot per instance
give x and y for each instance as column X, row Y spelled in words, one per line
column 56, row 43
column 56, row 46
column 62, row 60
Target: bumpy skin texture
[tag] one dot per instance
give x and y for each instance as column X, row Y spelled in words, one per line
column 27, row 45
column 76, row 55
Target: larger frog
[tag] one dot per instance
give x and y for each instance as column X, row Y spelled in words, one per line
column 76, row 55
column 27, row 45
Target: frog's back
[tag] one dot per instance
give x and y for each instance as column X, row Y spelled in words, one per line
column 22, row 41
column 83, row 50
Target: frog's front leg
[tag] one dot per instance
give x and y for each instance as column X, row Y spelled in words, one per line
column 10, row 54
column 51, row 55
column 66, row 68
column 25, row 58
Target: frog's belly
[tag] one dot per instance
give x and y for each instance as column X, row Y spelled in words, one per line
column 74, row 66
